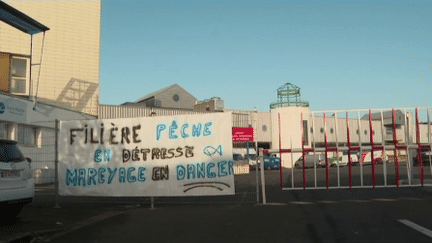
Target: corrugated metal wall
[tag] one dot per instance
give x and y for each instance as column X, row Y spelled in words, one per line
column 114, row 111
column 239, row 118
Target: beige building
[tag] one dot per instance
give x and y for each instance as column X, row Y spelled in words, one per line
column 49, row 70
column 69, row 74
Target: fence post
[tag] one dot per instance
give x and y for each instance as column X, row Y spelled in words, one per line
column 256, row 154
column 152, row 203
column 263, row 190
column 56, row 181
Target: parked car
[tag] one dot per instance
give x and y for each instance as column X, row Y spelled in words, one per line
column 17, row 185
column 311, row 160
column 343, row 161
column 379, row 157
column 237, row 157
column 252, row 161
column 426, row 158
column 271, row 163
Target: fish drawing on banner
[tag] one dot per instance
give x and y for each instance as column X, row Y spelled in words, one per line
column 210, row 150
column 218, row 185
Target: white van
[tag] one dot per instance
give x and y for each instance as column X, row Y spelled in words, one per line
column 354, row 158
column 311, row 160
column 379, row 157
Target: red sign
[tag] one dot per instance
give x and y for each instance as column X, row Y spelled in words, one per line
column 242, row 134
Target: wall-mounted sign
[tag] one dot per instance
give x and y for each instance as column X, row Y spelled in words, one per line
column 187, row 155
column 12, row 109
column 242, row 134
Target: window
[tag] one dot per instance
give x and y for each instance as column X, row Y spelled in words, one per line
column 19, row 80
column 14, row 74
column 305, row 133
column 5, row 130
column 27, row 135
column 176, row 97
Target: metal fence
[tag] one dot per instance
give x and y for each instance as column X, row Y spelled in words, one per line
column 37, row 142
column 382, row 148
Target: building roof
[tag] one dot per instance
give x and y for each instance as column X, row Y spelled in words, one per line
column 386, row 115
column 158, row 92
column 20, row 20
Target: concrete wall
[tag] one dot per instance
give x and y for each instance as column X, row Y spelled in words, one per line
column 70, row 68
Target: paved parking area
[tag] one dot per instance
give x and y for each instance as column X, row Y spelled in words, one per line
column 339, row 215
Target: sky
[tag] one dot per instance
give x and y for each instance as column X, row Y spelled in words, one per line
column 342, row 55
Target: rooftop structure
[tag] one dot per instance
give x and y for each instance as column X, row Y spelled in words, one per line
column 289, row 95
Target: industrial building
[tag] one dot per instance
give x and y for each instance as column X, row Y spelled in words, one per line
column 290, row 124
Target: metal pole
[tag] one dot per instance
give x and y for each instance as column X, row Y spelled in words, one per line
column 384, row 152
column 314, row 146
column 56, row 181
column 371, row 141
column 263, row 191
column 40, row 68
column 396, row 151
column 152, row 203
column 256, row 159
column 280, row 155
column 429, row 138
column 326, row 152
column 31, row 62
column 419, row 148
column 349, row 150
column 304, row 154
column 407, row 143
column 337, row 146
column 361, row 148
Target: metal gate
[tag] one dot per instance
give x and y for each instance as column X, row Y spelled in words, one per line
column 355, row 149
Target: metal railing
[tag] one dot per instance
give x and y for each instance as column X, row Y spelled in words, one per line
column 362, row 132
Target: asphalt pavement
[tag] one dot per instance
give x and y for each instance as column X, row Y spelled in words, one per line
column 337, row 215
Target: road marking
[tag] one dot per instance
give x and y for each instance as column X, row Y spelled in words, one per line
column 324, row 201
column 358, row 201
column 301, row 202
column 417, row 227
column 385, row 199
column 276, row 204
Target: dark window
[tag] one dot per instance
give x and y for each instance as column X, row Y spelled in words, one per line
column 10, row 153
column 305, row 133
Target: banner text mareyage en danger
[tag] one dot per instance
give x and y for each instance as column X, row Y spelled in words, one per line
column 186, row 155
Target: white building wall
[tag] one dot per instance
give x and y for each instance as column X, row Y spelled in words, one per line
column 290, row 131
column 19, row 115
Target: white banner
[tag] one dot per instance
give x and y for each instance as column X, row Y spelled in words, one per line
column 186, row 155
